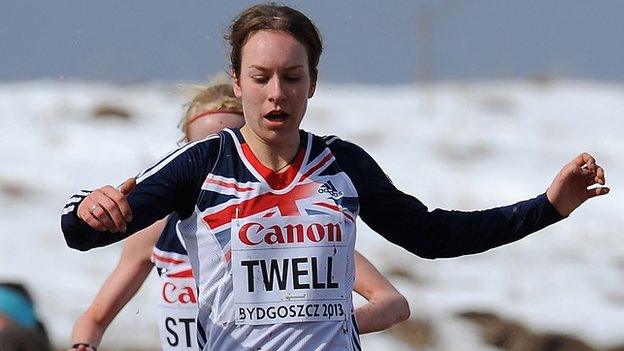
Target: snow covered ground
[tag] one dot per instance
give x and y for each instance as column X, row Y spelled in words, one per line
column 465, row 145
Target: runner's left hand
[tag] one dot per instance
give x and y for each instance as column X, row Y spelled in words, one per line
column 569, row 189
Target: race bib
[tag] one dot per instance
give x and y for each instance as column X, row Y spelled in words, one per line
column 178, row 313
column 289, row 269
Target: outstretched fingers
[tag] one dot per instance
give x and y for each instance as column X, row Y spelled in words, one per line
column 578, row 180
column 595, row 177
column 585, row 160
column 599, row 191
column 594, row 174
column 600, row 176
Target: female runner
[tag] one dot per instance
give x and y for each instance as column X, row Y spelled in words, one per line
column 211, row 110
column 268, row 210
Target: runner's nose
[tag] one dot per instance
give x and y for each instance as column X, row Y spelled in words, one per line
column 276, row 91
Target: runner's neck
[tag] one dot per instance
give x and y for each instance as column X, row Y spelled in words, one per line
column 274, row 157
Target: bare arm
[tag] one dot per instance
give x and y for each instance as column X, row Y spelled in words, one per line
column 386, row 306
column 130, row 273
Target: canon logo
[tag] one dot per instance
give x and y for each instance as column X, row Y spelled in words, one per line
column 173, row 294
column 254, row 233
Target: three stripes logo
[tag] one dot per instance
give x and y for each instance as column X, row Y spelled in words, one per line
column 329, row 188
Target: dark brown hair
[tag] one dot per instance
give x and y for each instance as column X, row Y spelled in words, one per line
column 271, row 16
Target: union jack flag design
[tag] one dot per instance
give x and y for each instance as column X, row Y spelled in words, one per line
column 226, row 198
column 239, row 187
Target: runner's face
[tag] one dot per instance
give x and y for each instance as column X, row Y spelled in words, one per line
column 212, row 123
column 274, row 85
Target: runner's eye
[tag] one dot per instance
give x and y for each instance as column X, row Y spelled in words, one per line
column 260, row 79
column 292, row 78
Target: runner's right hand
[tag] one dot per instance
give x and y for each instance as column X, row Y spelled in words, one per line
column 106, row 208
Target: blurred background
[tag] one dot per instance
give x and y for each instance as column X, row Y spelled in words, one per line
column 465, row 104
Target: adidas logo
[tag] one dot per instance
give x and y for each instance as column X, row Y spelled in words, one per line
column 329, row 188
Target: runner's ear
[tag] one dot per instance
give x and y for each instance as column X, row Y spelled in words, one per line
column 236, row 85
column 311, row 90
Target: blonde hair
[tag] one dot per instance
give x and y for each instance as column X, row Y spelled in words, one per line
column 213, row 98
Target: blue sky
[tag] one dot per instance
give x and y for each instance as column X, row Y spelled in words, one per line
column 374, row 42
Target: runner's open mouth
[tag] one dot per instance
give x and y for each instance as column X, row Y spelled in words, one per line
column 276, row 116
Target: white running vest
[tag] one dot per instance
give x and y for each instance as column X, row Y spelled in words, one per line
column 275, row 268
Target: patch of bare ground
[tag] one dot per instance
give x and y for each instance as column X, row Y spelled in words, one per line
column 13, row 189
column 543, row 81
column 105, row 111
column 502, row 105
column 513, row 336
column 419, row 334
column 406, row 274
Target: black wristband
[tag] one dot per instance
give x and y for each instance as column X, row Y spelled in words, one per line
column 88, row 346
